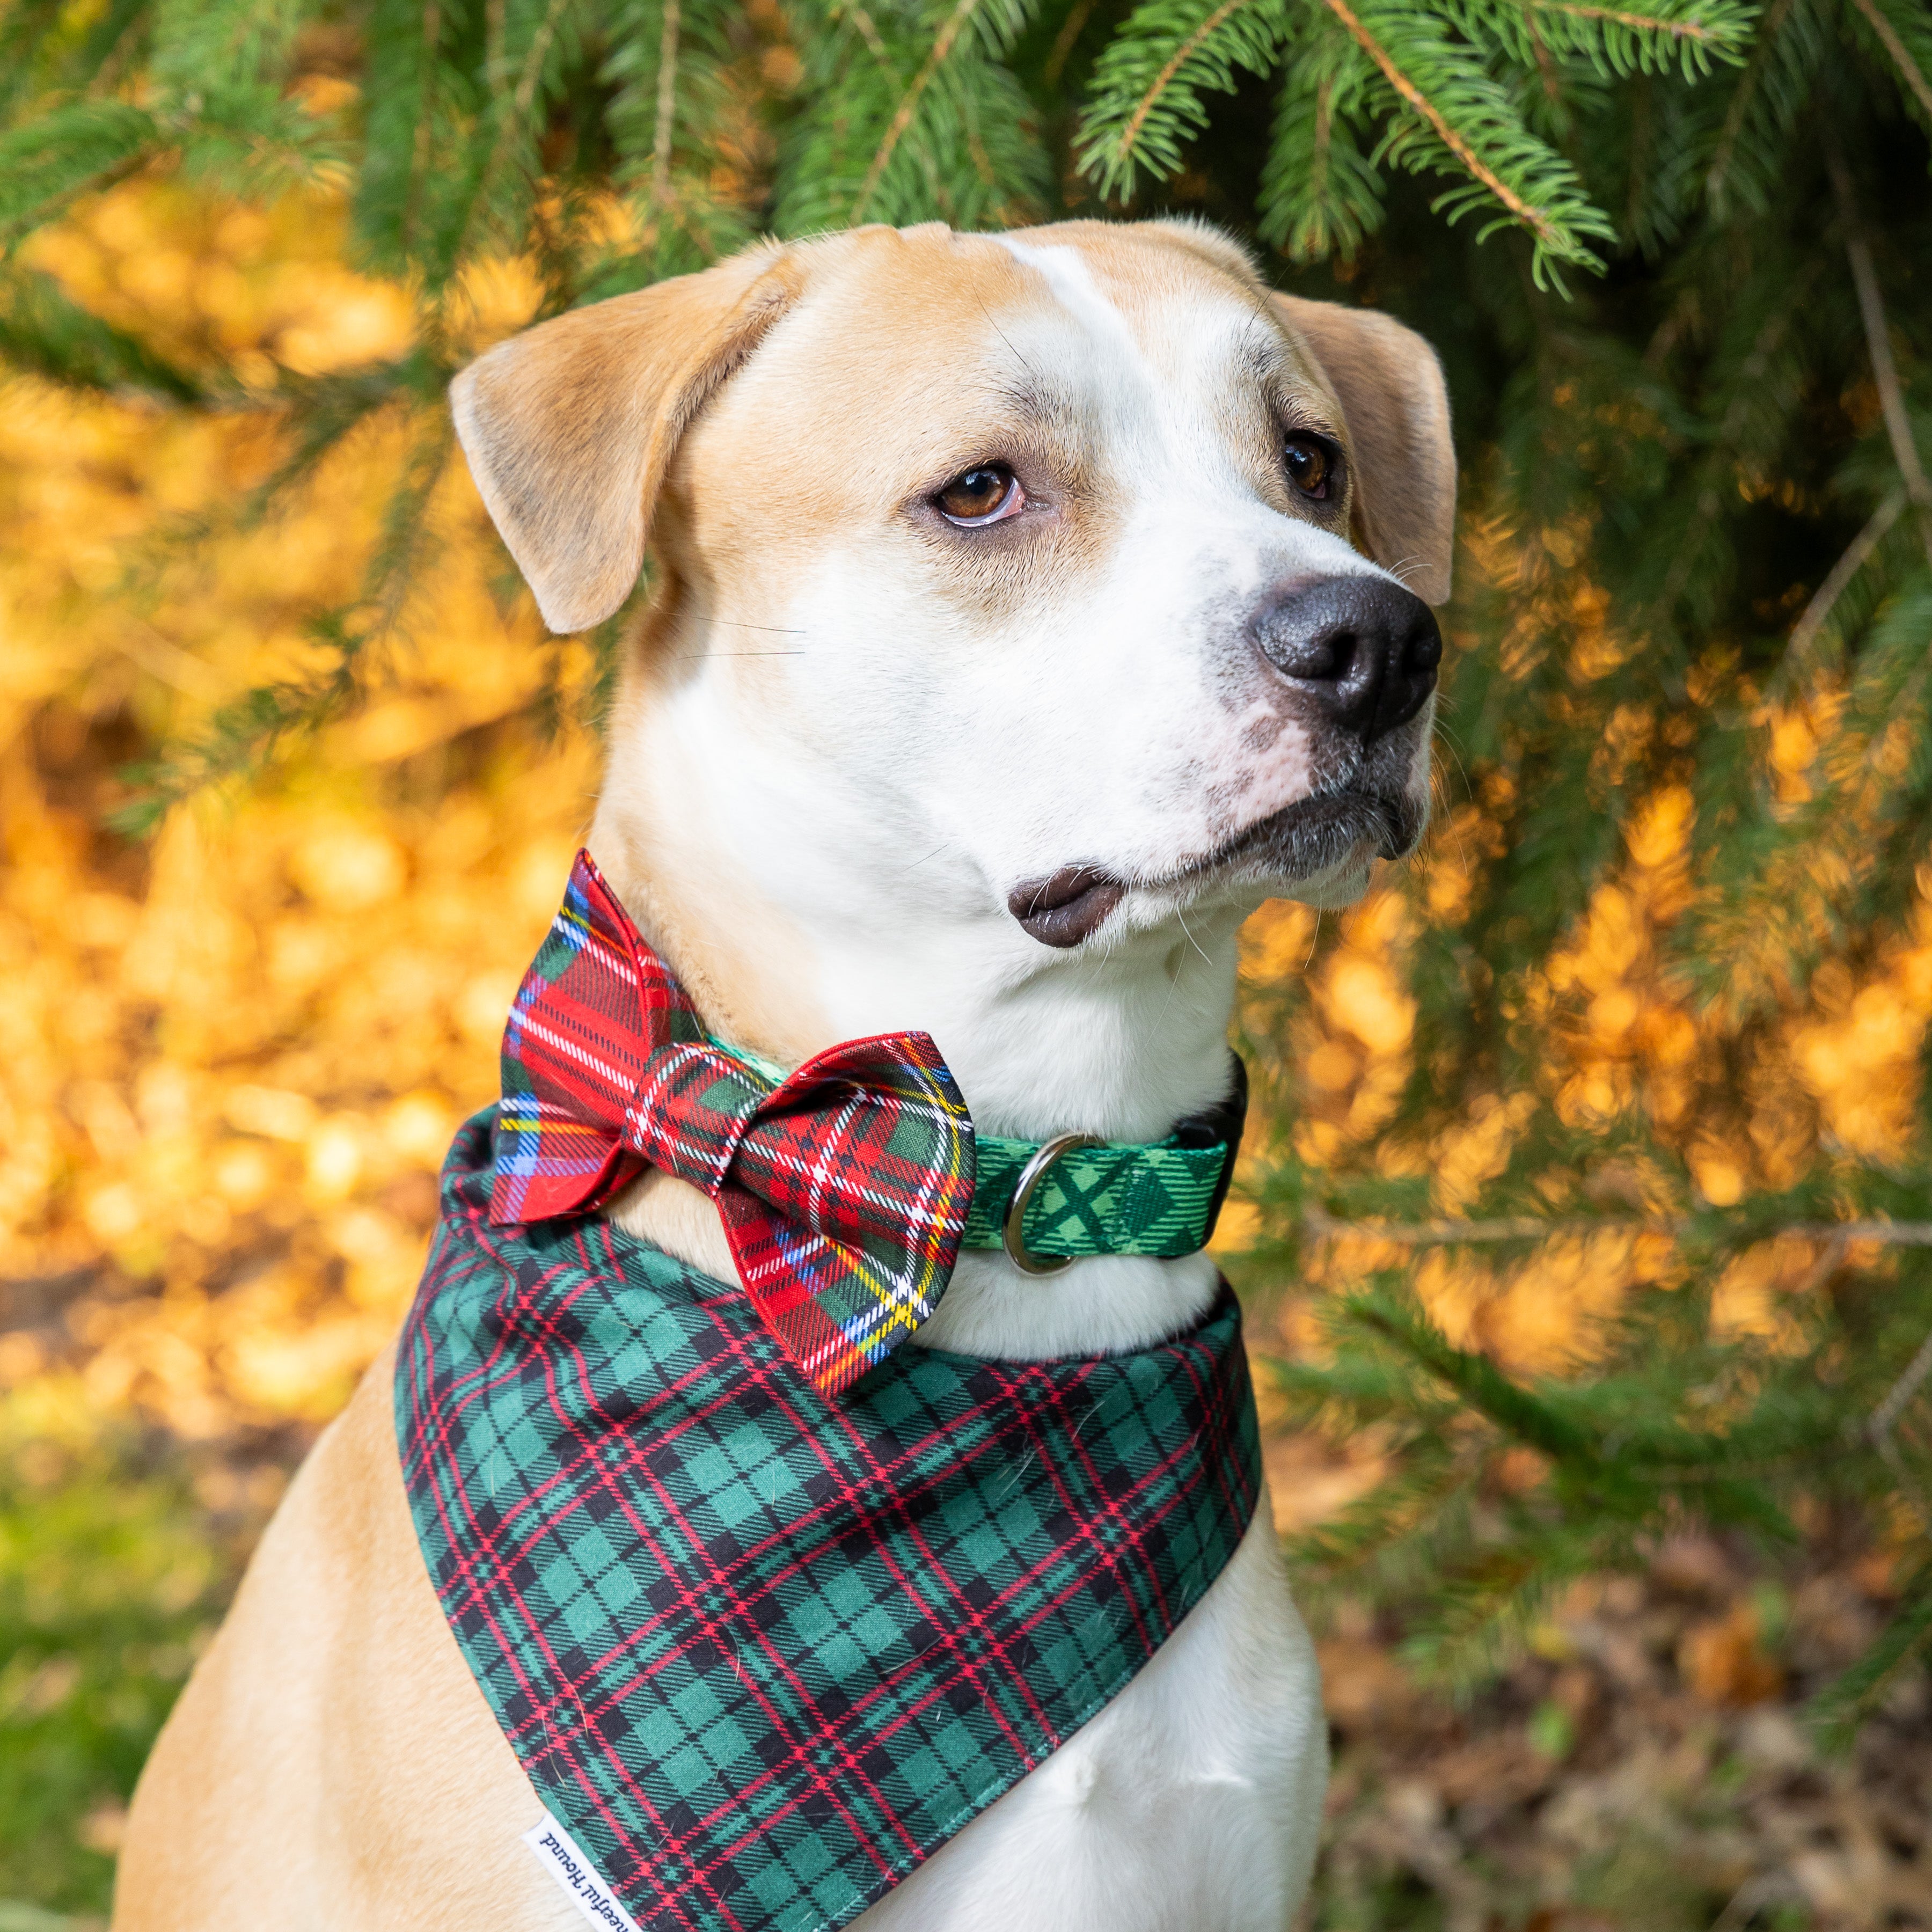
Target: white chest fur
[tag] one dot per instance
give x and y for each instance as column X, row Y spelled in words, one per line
column 1192, row 1804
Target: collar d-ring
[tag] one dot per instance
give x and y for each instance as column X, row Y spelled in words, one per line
column 1011, row 1237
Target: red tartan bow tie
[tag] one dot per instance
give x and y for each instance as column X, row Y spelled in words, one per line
column 844, row 1190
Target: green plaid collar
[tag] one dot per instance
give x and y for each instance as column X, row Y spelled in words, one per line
column 1083, row 1196
column 845, row 1186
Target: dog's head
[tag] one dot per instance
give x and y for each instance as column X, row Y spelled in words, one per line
column 1070, row 576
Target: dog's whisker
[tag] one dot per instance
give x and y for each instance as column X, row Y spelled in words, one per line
column 1191, row 940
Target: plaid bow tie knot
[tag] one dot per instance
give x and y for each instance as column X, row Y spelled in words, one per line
column 843, row 1190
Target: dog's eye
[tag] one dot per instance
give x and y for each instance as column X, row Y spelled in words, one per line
column 1310, row 465
column 988, row 494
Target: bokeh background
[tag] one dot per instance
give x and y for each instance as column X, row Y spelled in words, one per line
column 234, row 1042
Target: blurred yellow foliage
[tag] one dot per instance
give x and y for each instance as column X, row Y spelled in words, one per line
column 230, row 1064
column 230, row 1061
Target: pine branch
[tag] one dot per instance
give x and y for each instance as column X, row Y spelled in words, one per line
column 204, row 46
column 908, row 105
column 1838, row 1710
column 1533, row 219
column 1688, row 35
column 933, row 125
column 511, row 108
column 1116, row 163
column 239, row 739
column 1743, row 101
column 243, row 736
column 1145, row 98
column 40, row 329
column 1465, row 114
column 1702, row 33
column 405, row 89
column 71, row 150
column 1320, row 196
column 1912, row 72
column 1478, row 1380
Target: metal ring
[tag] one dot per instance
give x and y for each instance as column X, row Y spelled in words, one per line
column 1011, row 1238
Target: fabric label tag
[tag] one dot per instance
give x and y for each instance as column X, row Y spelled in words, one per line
column 557, row 1852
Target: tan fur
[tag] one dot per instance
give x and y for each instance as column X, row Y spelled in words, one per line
column 568, row 427
column 672, row 1215
column 334, row 1689
column 332, row 1747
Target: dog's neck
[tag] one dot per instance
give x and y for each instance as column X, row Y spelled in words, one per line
column 797, row 916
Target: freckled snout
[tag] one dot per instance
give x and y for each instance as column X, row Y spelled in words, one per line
column 1365, row 650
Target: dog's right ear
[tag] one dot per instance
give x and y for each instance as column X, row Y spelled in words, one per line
column 1390, row 385
column 570, row 427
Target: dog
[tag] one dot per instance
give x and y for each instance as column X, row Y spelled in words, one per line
column 1028, row 609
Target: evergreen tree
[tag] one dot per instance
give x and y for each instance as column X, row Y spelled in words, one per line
column 1675, row 260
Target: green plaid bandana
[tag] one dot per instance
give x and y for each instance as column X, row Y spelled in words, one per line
column 762, row 1651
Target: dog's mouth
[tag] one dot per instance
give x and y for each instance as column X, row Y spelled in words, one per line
column 1063, row 909
column 1301, row 840
column 1312, row 835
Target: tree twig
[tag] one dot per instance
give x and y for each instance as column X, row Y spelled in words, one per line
column 902, row 116
column 1447, row 1234
column 1902, row 1391
column 1137, row 120
column 1908, row 68
column 1838, row 581
column 1878, row 342
column 661, row 134
column 1642, row 23
column 1884, row 1417
column 1063, row 42
column 1538, row 223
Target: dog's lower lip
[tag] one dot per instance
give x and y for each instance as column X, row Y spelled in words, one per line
column 1314, row 833
column 1066, row 906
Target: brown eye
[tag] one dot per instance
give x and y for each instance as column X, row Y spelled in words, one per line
column 1309, row 465
column 988, row 494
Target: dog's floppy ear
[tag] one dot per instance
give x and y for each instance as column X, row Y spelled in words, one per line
column 570, row 427
column 1390, row 385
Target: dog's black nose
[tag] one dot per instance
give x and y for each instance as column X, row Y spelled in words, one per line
column 1365, row 647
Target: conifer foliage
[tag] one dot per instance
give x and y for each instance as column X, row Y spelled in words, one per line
column 1675, row 257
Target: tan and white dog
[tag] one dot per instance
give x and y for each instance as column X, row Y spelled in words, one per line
column 1029, row 608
